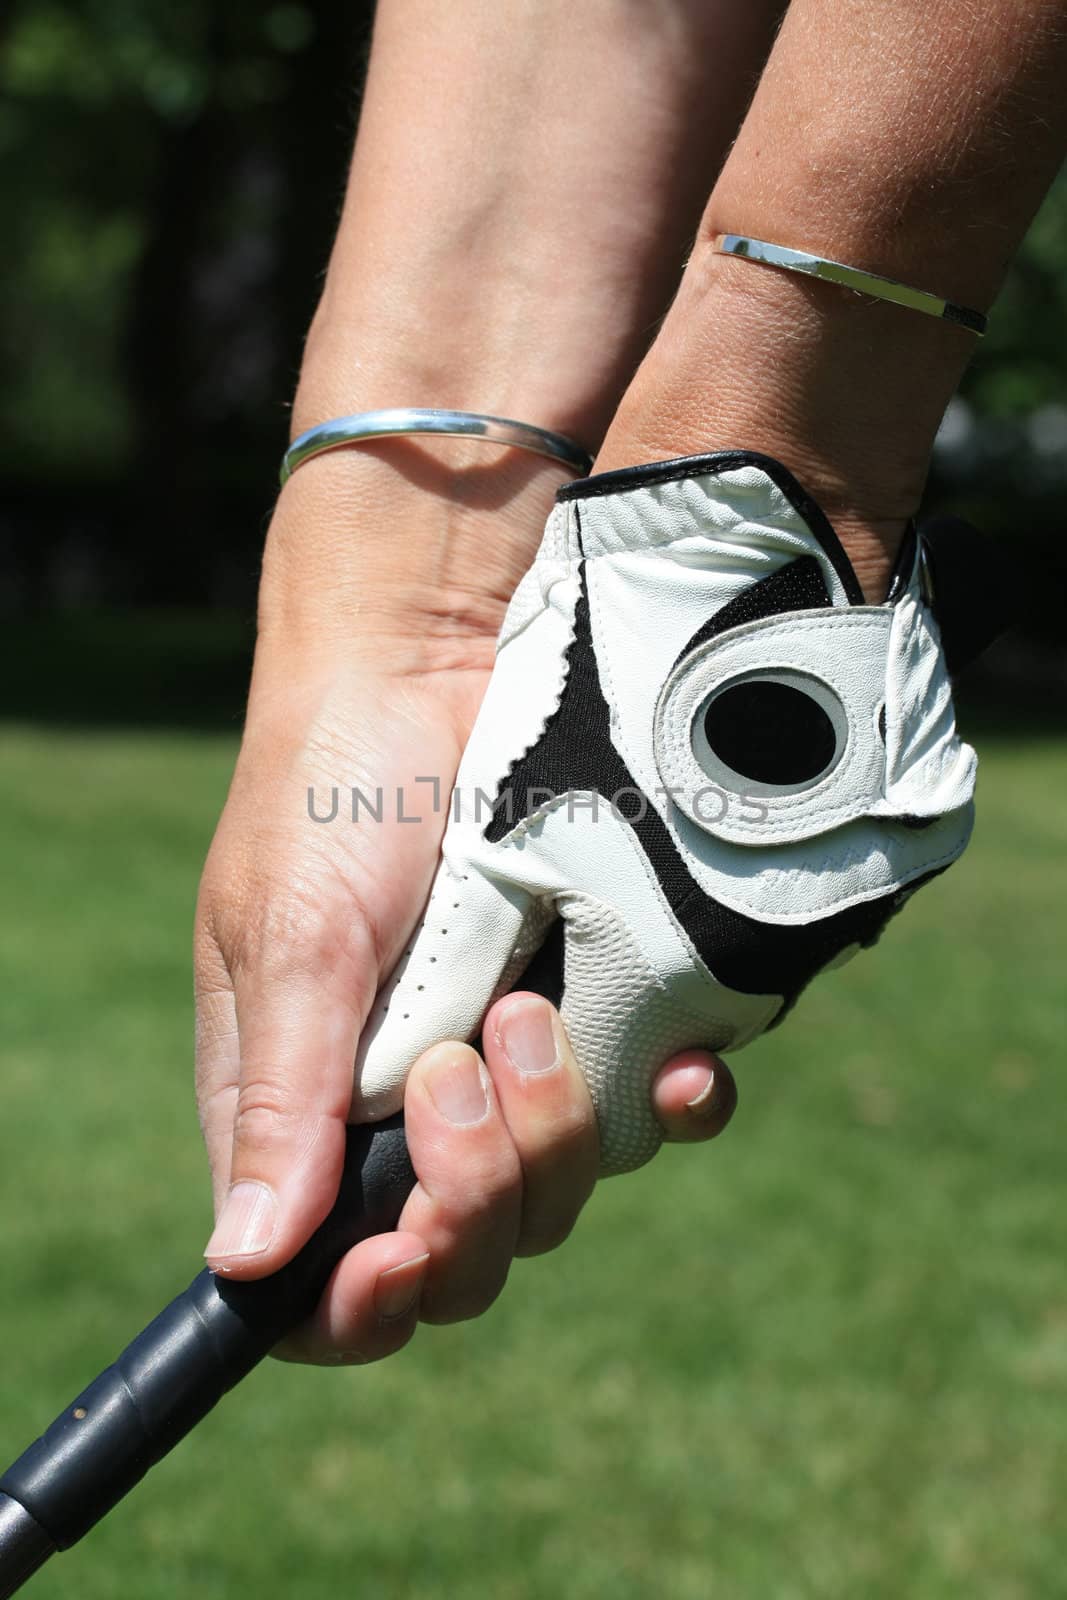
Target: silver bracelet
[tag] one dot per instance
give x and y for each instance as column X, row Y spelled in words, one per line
column 392, row 423
column 872, row 283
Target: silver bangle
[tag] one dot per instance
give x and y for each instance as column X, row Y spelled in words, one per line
column 394, row 422
column 871, row 283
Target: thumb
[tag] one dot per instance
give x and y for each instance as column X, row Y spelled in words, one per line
column 297, row 1047
column 694, row 1096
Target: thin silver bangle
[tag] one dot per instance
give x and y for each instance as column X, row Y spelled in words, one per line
column 391, row 423
column 855, row 278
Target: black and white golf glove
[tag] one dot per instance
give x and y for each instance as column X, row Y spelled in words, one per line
column 705, row 753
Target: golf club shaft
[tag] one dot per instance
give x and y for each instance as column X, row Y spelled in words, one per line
column 181, row 1365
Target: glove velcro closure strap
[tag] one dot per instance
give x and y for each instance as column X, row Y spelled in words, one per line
column 793, row 725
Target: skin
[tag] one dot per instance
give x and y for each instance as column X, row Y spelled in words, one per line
column 528, row 1149
column 386, row 574
column 914, row 141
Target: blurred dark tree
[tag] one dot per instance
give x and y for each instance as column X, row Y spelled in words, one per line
column 171, row 179
column 1002, row 456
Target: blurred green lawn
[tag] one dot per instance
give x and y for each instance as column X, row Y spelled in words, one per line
column 826, row 1357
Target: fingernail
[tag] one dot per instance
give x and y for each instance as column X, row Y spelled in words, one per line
column 525, row 1030
column 704, row 1101
column 398, row 1288
column 459, row 1088
column 246, row 1222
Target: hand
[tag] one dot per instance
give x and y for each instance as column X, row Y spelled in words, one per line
column 507, row 1153
column 299, row 922
column 708, row 757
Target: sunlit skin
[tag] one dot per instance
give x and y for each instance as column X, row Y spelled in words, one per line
column 912, row 140
column 476, row 266
column 523, row 194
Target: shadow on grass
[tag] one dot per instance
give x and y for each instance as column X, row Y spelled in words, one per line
column 189, row 669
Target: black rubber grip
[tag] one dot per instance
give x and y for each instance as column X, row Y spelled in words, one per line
column 200, row 1346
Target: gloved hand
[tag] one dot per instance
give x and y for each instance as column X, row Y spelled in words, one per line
column 702, row 753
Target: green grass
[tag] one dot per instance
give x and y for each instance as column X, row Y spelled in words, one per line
column 826, row 1357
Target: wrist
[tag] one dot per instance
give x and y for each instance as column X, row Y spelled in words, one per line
column 444, row 351
column 848, row 393
column 406, row 550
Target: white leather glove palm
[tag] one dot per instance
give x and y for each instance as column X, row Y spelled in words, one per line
column 704, row 753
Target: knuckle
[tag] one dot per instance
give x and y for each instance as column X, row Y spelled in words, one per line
column 544, row 1237
column 561, row 1158
column 216, row 1023
column 479, row 1198
column 294, row 924
column 311, row 1351
column 386, row 1341
column 222, row 897
column 301, row 928
column 258, row 1128
column 473, row 1234
column 458, row 1302
column 572, row 1128
column 269, row 903
column 264, row 1119
column 270, row 1115
column 215, row 1102
column 210, row 973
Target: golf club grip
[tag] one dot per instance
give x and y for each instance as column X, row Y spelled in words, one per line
column 199, row 1347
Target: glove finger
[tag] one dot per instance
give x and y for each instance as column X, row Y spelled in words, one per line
column 623, row 1018
column 476, row 936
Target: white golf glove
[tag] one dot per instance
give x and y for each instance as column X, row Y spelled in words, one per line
column 704, row 753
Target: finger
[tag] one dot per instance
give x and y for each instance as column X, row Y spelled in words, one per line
column 298, row 1024
column 218, row 1062
column 694, row 1096
column 370, row 1308
column 467, row 1202
column 549, row 1112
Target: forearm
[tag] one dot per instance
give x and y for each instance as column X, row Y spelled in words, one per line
column 913, row 141
column 526, row 182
